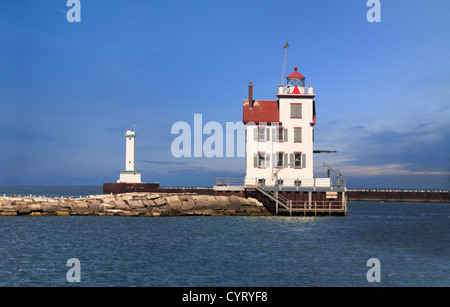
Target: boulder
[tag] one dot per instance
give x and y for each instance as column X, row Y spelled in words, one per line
column 121, row 205
column 94, row 206
column 23, row 209
column 50, row 207
column 160, row 201
column 152, row 196
column 148, row 203
column 174, row 203
column 134, row 204
column 8, row 213
column 106, row 207
column 187, row 204
column 35, row 207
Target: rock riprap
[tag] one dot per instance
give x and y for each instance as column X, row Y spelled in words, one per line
column 132, row 204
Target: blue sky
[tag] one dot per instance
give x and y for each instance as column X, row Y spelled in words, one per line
column 69, row 91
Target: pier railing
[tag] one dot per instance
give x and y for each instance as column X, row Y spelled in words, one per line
column 285, row 182
column 283, row 204
column 280, row 204
column 229, row 181
column 327, row 207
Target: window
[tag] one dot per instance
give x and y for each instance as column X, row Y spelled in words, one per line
column 298, row 160
column 261, row 159
column 262, row 181
column 279, row 134
column 297, row 183
column 298, row 135
column 296, row 110
column 261, row 134
column 279, row 156
column 279, row 182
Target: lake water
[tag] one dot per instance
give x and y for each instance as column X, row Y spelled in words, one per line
column 411, row 241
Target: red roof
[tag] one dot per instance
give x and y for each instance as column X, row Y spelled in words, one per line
column 295, row 74
column 263, row 111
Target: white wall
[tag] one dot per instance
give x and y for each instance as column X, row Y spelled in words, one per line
column 130, row 177
column 289, row 174
column 129, row 156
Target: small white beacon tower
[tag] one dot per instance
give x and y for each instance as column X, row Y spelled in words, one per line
column 130, row 175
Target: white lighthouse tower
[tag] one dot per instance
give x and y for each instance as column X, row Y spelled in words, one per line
column 130, row 175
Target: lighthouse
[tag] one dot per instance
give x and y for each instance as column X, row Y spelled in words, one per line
column 130, row 178
column 279, row 155
column 280, row 136
column 130, row 175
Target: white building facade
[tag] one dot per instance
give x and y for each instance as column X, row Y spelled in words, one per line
column 280, row 136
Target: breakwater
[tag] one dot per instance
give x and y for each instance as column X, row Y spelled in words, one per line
column 399, row 195
column 132, row 204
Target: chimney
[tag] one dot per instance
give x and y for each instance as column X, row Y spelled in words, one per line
column 250, row 95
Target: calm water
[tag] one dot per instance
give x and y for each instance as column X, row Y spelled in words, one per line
column 410, row 240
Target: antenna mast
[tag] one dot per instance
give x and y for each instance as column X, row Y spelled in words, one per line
column 284, row 62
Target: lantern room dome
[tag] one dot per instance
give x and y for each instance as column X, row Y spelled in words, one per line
column 296, row 78
column 295, row 74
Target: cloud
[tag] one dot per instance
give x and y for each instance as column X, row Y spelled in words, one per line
column 389, row 169
column 167, row 163
column 405, row 142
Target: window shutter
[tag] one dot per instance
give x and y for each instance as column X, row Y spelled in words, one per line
column 255, row 160
column 296, row 110
column 274, row 160
column 291, row 158
column 285, row 134
column 268, row 134
column 255, row 134
column 285, row 159
column 303, row 160
column 274, row 135
column 297, row 134
column 268, row 160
